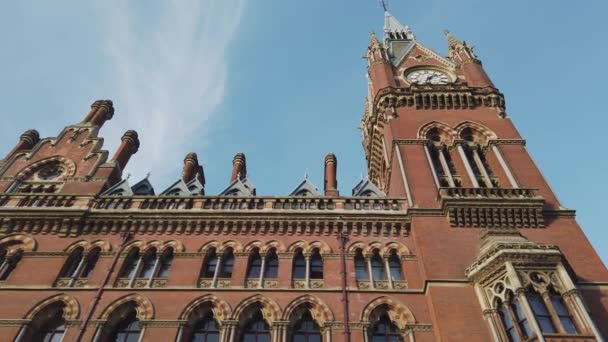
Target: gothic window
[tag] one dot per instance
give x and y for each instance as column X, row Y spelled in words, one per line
column 299, row 265
column 71, row 265
column 210, row 264
column 514, row 321
column 90, row 262
column 48, row 325
column 316, row 265
column 255, row 264
column 271, row 270
column 8, row 261
column 130, row 263
column 360, row 266
column 440, row 158
column 394, row 266
column 520, row 317
column 475, row 158
column 256, row 330
column 562, row 312
column 227, row 264
column 206, row 330
column 147, row 264
column 540, row 311
column 79, row 264
column 306, row 330
column 165, row 263
column 122, row 325
column 507, row 323
column 384, row 330
column 377, row 266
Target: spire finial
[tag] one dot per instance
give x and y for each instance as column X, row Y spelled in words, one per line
column 148, row 175
column 128, row 176
column 384, row 4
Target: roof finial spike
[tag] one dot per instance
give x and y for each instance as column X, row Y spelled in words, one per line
column 384, row 4
column 306, row 174
column 128, row 176
column 147, row 175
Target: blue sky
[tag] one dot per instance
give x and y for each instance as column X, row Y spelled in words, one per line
column 284, row 82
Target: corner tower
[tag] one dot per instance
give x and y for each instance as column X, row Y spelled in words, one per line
column 436, row 132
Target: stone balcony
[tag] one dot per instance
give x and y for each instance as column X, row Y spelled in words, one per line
column 492, row 207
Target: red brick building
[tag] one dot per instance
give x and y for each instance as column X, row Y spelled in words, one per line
column 456, row 236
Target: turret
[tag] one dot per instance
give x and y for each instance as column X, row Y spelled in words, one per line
column 462, row 54
column 128, row 147
column 331, row 181
column 239, row 167
column 27, row 141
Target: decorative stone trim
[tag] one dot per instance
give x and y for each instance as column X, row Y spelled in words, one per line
column 95, row 323
column 159, row 282
column 13, row 322
column 420, row 327
column 162, row 324
column 188, row 255
column 316, row 283
column 400, row 284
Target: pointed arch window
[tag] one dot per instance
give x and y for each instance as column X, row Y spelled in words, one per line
column 299, row 265
column 206, row 330
column 227, row 264
column 255, row 264
column 271, row 269
column 122, row 325
column 541, row 313
column 563, row 314
column 394, row 266
column 316, row 265
column 166, row 259
column 210, row 264
column 440, row 159
column 377, row 266
column 474, row 157
column 71, row 265
column 507, row 323
column 90, row 261
column 147, row 264
column 256, row 330
column 360, row 266
column 48, row 325
column 148, row 267
column 8, row 263
column 513, row 319
column 80, row 264
column 384, row 330
column 306, row 330
column 130, row 263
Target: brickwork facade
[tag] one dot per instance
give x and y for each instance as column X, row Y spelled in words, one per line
column 456, row 236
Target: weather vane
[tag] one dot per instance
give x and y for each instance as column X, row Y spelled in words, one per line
column 384, row 4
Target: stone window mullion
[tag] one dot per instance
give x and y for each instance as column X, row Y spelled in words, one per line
column 514, row 319
column 387, row 268
column 216, row 272
column 154, row 269
column 262, row 270
column 137, row 270
column 467, row 166
column 307, row 277
column 523, row 301
column 368, row 260
column 446, row 167
column 481, row 167
column 554, row 316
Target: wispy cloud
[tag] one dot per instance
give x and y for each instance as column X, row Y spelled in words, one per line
column 169, row 74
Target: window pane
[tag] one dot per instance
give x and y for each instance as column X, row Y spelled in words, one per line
column 165, row 264
column 316, row 266
column 299, row 266
column 522, row 321
column 210, row 266
column 91, row 261
column 255, row 266
column 360, row 267
column 130, row 263
column 540, row 312
column 72, row 263
column 394, row 264
column 148, row 265
column 132, row 337
column 378, row 267
column 227, row 265
column 272, row 266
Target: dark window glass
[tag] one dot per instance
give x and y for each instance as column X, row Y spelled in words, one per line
column 130, row 263
column 385, row 331
column 378, row 267
column 127, row 330
column 257, row 330
column 394, row 264
column 255, row 265
column 507, row 323
column 210, row 264
column 540, row 312
column 206, row 330
column 562, row 312
column 299, row 265
column 71, row 264
column 165, row 263
column 227, row 265
column 9, row 264
column 316, row 265
column 51, row 331
column 147, row 265
column 90, row 262
column 360, row 266
column 271, row 270
column 522, row 321
column 306, row 330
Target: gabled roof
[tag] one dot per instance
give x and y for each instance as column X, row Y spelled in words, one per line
column 122, row 188
column 239, row 188
column 180, row 188
column 143, row 187
column 368, row 189
column 391, row 24
column 306, row 188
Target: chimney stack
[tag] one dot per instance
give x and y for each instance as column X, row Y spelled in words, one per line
column 191, row 167
column 101, row 111
column 128, row 147
column 239, row 167
column 331, row 182
column 27, row 141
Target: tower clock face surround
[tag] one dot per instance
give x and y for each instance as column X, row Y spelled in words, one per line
column 428, row 76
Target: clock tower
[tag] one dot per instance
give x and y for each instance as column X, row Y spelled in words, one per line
column 494, row 244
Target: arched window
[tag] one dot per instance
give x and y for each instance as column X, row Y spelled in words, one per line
column 147, row 264
column 383, row 330
column 540, row 311
column 47, row 325
column 271, row 270
column 394, row 266
column 507, row 323
column 122, row 325
column 256, row 330
column 440, row 158
column 316, row 265
column 130, row 263
column 562, row 312
column 475, row 157
column 210, row 264
column 71, row 265
column 90, row 262
column 306, row 330
column 360, row 266
column 299, row 265
column 520, row 317
column 377, row 267
column 227, row 264
column 165, row 263
column 8, row 262
column 205, row 330
column 255, row 264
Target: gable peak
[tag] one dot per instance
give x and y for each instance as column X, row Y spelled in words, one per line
column 395, row 30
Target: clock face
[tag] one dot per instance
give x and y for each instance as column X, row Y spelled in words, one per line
column 50, row 172
column 428, row 76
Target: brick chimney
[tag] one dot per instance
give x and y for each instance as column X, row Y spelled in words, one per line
column 191, row 167
column 128, row 147
column 27, row 141
column 331, row 182
column 101, row 111
column 239, row 167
